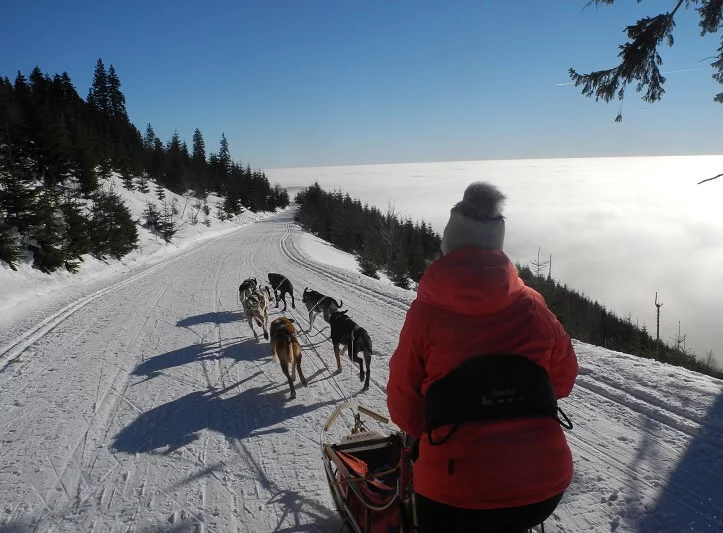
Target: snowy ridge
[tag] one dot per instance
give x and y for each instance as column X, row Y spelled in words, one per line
column 147, row 405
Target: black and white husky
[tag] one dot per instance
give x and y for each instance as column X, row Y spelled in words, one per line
column 248, row 286
column 256, row 308
column 317, row 303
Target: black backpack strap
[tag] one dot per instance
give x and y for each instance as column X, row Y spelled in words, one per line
column 490, row 387
column 567, row 423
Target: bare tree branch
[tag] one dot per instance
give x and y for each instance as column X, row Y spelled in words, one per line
column 710, row 179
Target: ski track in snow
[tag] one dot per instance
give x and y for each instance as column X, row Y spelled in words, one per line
column 150, row 406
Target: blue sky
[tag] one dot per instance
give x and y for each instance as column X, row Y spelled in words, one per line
column 312, row 82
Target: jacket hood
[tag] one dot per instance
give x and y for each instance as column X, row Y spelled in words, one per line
column 471, row 281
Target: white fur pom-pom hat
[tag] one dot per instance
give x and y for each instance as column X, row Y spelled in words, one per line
column 477, row 220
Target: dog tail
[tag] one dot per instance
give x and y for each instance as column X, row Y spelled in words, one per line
column 340, row 304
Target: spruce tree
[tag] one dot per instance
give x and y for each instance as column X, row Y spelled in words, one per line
column 224, row 156
column 9, row 252
column 99, row 92
column 174, row 163
column 640, row 59
column 47, row 234
column 168, row 224
column 143, row 183
column 149, row 139
column 115, row 232
column 116, row 99
column 127, row 178
column 199, row 148
column 76, row 235
column 156, row 169
column 83, row 164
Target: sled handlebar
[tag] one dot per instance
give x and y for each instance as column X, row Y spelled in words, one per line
column 372, row 414
column 354, row 406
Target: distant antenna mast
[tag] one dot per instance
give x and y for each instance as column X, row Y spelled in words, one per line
column 549, row 271
column 657, row 327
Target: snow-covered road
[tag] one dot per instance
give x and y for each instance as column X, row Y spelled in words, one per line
column 149, row 406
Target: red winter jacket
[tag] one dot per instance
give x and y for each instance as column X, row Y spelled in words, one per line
column 471, row 302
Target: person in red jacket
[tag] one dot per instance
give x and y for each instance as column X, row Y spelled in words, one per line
column 484, row 468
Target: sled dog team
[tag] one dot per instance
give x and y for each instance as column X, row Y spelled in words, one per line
column 346, row 335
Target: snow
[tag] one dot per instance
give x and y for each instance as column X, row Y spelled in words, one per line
column 138, row 400
column 324, row 252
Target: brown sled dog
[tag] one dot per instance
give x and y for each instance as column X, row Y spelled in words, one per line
column 286, row 348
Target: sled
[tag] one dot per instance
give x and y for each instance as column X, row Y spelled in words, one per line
column 369, row 474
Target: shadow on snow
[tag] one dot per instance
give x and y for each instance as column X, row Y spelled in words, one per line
column 692, row 499
column 246, row 350
column 222, row 317
column 254, row 411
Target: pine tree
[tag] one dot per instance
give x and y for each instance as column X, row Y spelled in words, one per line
column 116, row 99
column 105, row 168
column 127, row 178
column 160, row 191
column 115, row 232
column 99, row 92
column 224, row 156
column 174, row 163
column 76, row 236
column 21, row 87
column 149, row 139
column 47, row 234
column 152, row 217
column 367, row 265
column 199, row 148
column 143, row 183
column 9, row 248
column 168, row 224
column 83, row 164
column 156, row 169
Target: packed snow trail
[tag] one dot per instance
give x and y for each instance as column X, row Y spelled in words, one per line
column 150, row 407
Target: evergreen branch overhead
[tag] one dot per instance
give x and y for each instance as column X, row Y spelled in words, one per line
column 640, row 59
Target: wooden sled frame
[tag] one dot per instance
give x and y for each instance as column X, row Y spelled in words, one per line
column 361, row 492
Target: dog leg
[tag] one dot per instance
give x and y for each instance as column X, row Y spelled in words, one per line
column 359, row 360
column 337, row 354
column 251, row 325
column 265, row 323
column 260, row 323
column 285, row 370
column 298, row 366
column 367, row 360
column 311, row 319
column 293, row 304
